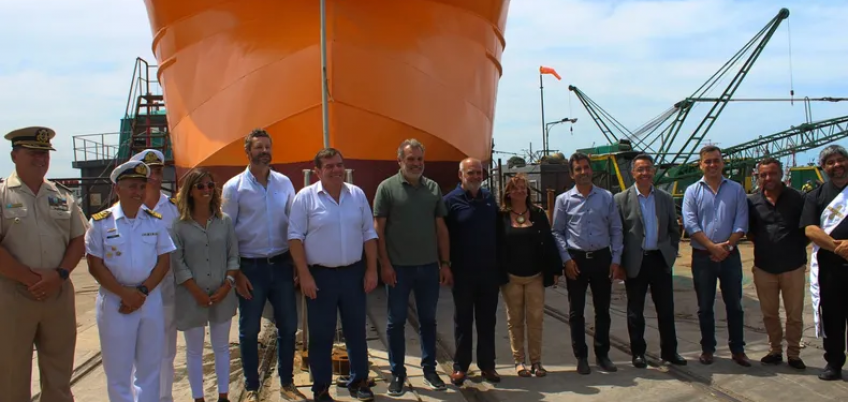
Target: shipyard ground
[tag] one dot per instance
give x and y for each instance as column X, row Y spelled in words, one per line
column 722, row 381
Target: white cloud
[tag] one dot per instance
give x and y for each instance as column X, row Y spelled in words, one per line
column 69, row 63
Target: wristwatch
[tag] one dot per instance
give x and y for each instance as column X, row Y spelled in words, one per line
column 446, row 264
column 143, row 289
column 63, row 273
column 231, row 280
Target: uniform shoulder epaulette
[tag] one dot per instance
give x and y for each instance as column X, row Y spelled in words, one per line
column 153, row 213
column 101, row 215
column 173, row 200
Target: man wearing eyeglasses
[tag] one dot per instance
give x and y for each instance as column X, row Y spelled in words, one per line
column 780, row 259
column 155, row 200
column 715, row 214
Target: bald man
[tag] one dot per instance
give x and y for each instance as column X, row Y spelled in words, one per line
column 472, row 216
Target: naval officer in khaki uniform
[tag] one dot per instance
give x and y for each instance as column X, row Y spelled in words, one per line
column 41, row 241
column 128, row 250
column 155, row 200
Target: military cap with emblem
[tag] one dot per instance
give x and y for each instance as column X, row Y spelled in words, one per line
column 130, row 170
column 32, row 137
column 150, row 157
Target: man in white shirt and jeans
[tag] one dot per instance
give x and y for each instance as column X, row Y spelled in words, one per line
column 330, row 227
column 259, row 200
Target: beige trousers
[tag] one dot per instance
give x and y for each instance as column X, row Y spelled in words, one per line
column 52, row 327
column 525, row 304
column 769, row 288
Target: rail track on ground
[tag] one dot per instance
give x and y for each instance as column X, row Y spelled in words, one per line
column 696, row 381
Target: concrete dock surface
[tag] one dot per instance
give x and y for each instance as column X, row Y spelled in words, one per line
column 724, row 380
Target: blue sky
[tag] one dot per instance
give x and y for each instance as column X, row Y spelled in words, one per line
column 68, row 65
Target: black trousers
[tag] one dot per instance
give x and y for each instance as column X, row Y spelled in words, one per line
column 833, row 288
column 655, row 274
column 475, row 296
column 595, row 273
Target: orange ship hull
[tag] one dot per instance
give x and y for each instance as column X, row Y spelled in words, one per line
column 425, row 69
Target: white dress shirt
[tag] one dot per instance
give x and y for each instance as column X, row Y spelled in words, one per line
column 260, row 214
column 333, row 233
column 128, row 248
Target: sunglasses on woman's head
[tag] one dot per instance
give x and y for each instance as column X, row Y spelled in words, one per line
column 200, row 186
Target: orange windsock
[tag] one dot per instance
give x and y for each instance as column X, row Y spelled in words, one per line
column 549, row 70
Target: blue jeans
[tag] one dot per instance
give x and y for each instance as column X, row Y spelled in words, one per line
column 339, row 290
column 705, row 273
column 273, row 282
column 424, row 281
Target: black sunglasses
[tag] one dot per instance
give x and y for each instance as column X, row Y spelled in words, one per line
column 201, row 186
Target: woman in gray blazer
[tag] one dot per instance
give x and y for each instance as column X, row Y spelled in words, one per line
column 205, row 264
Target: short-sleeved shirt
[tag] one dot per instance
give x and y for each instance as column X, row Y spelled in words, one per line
column 410, row 213
column 129, row 248
column 814, row 205
column 36, row 228
column 167, row 208
column 779, row 244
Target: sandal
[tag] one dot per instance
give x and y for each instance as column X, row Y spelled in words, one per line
column 538, row 370
column 521, row 369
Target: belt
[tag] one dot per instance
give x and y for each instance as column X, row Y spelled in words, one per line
column 588, row 254
column 651, row 252
column 268, row 260
column 316, row 266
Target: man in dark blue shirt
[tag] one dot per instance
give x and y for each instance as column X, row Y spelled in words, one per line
column 472, row 216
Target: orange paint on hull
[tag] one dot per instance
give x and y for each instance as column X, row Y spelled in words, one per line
column 427, row 69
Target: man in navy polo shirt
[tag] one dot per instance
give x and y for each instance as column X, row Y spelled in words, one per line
column 471, row 220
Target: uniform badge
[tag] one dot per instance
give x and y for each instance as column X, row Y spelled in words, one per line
column 17, row 220
column 118, row 253
column 108, row 255
column 15, row 205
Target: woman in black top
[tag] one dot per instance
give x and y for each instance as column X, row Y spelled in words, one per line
column 530, row 260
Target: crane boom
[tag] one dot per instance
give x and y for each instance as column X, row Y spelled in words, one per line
column 799, row 138
column 685, row 107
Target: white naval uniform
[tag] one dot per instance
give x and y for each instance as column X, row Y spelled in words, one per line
column 169, row 212
column 130, row 249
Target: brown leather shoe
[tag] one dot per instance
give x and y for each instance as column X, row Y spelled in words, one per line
column 706, row 358
column 741, row 359
column 490, row 376
column 458, row 377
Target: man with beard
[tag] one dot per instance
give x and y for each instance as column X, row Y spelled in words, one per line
column 651, row 241
column 41, row 242
column 414, row 257
column 588, row 232
column 128, row 249
column 259, row 202
column 823, row 220
column 780, row 259
column 157, row 201
column 330, row 227
column 715, row 214
column 471, row 221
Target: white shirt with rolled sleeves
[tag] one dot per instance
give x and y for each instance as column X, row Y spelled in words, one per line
column 260, row 214
column 332, row 233
column 129, row 249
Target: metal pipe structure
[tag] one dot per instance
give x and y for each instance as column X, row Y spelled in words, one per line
column 324, row 106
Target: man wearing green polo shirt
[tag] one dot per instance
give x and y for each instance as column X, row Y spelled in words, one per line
column 414, row 252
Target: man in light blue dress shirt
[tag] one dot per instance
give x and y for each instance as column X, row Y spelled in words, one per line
column 330, row 227
column 587, row 228
column 259, row 201
column 715, row 215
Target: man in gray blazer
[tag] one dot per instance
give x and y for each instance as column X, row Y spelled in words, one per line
column 651, row 241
